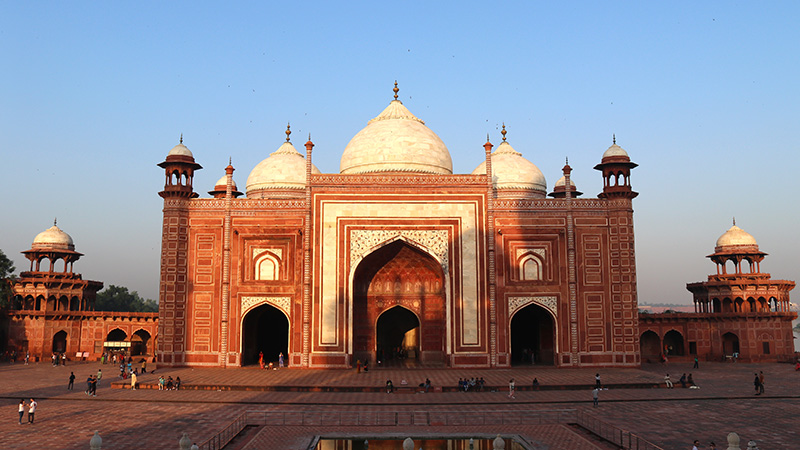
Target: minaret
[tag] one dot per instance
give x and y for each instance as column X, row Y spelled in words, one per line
column 179, row 168
column 616, row 166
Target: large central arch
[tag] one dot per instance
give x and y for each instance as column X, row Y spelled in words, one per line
column 398, row 274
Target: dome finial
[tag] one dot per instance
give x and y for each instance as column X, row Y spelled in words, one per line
column 487, row 137
column 503, row 132
column 567, row 160
column 288, row 131
column 734, row 221
column 230, row 160
column 614, row 138
column 396, row 89
column 181, row 142
column 55, row 221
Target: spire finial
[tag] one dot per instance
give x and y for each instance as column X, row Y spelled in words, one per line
column 614, row 138
column 181, row 138
column 288, row 131
column 396, row 89
column 487, row 137
column 55, row 221
column 503, row 132
column 567, row 160
column 734, row 221
column 230, row 160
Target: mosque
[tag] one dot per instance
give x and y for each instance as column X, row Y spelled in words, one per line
column 397, row 259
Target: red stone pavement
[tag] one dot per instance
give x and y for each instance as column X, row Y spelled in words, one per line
column 152, row 419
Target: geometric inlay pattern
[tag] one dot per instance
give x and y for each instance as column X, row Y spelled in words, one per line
column 549, row 303
column 282, row 303
column 364, row 241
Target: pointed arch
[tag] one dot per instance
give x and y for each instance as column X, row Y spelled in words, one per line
column 267, row 266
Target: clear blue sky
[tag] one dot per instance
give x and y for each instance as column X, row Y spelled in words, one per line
column 704, row 96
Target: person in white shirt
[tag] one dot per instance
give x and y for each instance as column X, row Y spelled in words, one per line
column 31, row 410
column 21, row 410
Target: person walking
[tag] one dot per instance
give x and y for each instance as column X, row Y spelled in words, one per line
column 71, row 381
column 144, row 366
column 595, row 397
column 32, row 410
column 760, row 382
column 695, row 444
column 21, row 409
column 668, row 381
column 99, row 374
column 597, row 383
column 757, row 384
column 696, row 363
column 511, row 388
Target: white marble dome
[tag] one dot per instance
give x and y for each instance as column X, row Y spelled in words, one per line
column 285, row 168
column 396, row 141
column 735, row 237
column 223, row 183
column 563, row 181
column 510, row 170
column 615, row 150
column 180, row 150
column 53, row 238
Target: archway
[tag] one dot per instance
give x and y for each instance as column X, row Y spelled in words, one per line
column 398, row 274
column 265, row 329
column 398, row 336
column 139, row 342
column 532, row 336
column 650, row 345
column 673, row 343
column 730, row 344
column 60, row 342
column 115, row 342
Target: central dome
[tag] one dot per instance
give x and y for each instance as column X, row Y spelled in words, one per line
column 735, row 238
column 396, row 141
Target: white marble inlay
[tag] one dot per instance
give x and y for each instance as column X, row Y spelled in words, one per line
column 282, row 303
column 548, row 302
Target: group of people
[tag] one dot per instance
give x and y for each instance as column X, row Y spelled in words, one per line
column 169, row 384
column 270, row 365
column 31, row 410
column 758, row 382
column 58, row 359
column 471, row 384
column 684, row 381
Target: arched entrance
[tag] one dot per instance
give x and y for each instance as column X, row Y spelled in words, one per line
column 60, row 342
column 139, row 342
column 673, row 344
column 397, row 334
column 398, row 274
column 265, row 329
column 115, row 342
column 532, row 336
column 730, row 344
column 650, row 345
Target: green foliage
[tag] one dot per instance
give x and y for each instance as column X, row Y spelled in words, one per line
column 118, row 298
column 6, row 275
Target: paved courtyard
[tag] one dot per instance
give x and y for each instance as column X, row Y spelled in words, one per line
column 153, row 419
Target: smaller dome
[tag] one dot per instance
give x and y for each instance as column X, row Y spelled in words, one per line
column 615, row 150
column 180, row 150
column 735, row 238
column 563, row 181
column 285, row 168
column 223, row 183
column 53, row 238
column 511, row 171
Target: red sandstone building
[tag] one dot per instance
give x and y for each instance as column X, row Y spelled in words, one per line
column 52, row 309
column 740, row 312
column 397, row 258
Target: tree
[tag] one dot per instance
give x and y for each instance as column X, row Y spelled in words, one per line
column 6, row 276
column 118, row 298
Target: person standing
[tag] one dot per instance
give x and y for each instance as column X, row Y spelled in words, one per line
column 94, row 386
column 280, row 359
column 144, row 366
column 695, row 444
column 32, row 410
column 21, row 409
column 71, row 381
column 99, row 374
column 595, row 397
column 133, row 381
column 511, row 388
column 760, row 382
column 597, row 381
column 261, row 359
column 757, row 384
